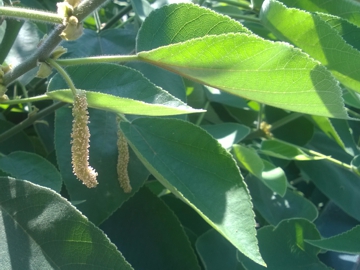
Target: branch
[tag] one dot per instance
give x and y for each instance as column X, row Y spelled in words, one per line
column 44, row 50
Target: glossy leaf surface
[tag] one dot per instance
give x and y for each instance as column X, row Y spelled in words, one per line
column 201, row 172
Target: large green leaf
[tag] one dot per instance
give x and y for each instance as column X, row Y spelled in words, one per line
column 312, row 34
column 31, row 167
column 41, row 230
column 144, row 227
column 274, row 208
column 181, row 22
column 119, row 89
column 347, row 9
column 246, row 65
column 284, row 247
column 341, row 243
column 197, row 169
column 18, row 142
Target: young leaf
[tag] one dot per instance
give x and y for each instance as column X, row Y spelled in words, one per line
column 180, row 22
column 284, row 247
column 245, row 65
column 317, row 38
column 41, row 230
column 31, row 167
column 197, row 169
column 227, row 134
column 273, row 177
column 122, row 90
column 340, row 243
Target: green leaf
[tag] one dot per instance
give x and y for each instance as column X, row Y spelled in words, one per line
column 198, row 170
column 272, row 176
column 274, row 208
column 180, row 22
column 284, row 150
column 327, row 127
column 31, row 167
column 284, row 247
column 105, row 42
column 100, row 202
column 125, row 105
column 248, row 66
column 120, row 89
column 18, row 142
column 355, row 164
column 340, row 243
column 326, row 44
column 227, row 134
column 41, row 230
column 215, row 252
column 144, row 227
column 187, row 216
column 338, row 184
column 348, row 10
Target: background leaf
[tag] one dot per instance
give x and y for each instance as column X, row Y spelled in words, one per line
column 341, row 243
column 274, row 208
column 219, row 60
column 40, row 229
column 31, row 167
column 201, row 172
column 284, row 247
column 144, row 227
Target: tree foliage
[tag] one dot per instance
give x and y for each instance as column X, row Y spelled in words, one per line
column 205, row 135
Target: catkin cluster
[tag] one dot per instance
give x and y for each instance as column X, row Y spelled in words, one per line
column 80, row 141
column 123, row 161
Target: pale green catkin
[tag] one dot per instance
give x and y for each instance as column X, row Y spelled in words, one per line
column 80, row 141
column 123, row 161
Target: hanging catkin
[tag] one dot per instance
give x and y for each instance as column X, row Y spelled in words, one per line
column 80, row 141
column 123, row 161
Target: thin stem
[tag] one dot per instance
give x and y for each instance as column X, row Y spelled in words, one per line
column 26, row 100
column 333, row 160
column 97, row 59
column 25, row 93
column 64, row 74
column 202, row 115
column 260, row 116
column 117, row 17
column 244, row 17
column 244, row 5
column 285, row 120
column 97, row 21
column 126, row 22
column 357, row 115
column 30, row 120
column 31, row 14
